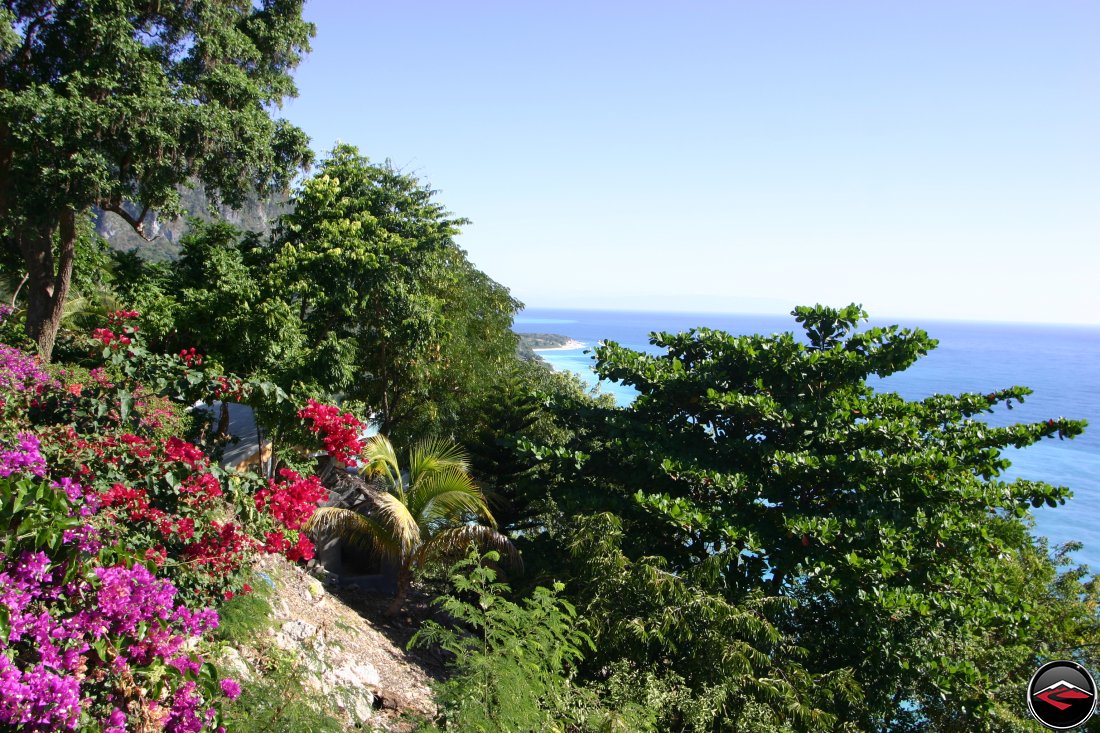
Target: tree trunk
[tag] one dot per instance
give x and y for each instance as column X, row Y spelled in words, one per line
column 47, row 288
column 223, row 421
column 404, row 580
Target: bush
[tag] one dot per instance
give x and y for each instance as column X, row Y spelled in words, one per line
column 511, row 661
column 118, row 538
column 88, row 636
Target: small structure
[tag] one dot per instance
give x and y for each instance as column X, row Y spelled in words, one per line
column 248, row 449
column 353, row 564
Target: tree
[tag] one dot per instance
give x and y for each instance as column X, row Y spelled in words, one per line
column 720, row 665
column 524, row 419
column 884, row 519
column 426, row 513
column 513, row 672
column 211, row 299
column 395, row 314
column 112, row 104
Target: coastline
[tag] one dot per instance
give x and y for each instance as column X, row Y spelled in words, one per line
column 568, row 346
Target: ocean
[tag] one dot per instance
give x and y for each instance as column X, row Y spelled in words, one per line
column 1060, row 363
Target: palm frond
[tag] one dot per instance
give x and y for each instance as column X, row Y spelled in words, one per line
column 389, row 529
column 435, row 454
column 94, row 306
column 449, row 494
column 382, row 463
column 456, row 540
column 392, row 513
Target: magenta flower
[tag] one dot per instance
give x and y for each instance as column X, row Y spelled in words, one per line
column 230, row 688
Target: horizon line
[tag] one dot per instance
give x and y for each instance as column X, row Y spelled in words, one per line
column 680, row 310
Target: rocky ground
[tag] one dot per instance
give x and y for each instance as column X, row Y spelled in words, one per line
column 352, row 653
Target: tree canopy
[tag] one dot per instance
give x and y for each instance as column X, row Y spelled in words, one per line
column 393, row 313
column 885, row 521
column 103, row 103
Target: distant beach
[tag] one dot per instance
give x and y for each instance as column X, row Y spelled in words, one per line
column 569, row 345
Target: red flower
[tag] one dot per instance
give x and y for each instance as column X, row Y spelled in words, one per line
column 184, row 452
column 191, row 357
column 302, row 551
column 293, row 500
column 339, row 433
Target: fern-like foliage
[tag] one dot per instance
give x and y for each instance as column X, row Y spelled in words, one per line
column 513, row 662
column 718, row 665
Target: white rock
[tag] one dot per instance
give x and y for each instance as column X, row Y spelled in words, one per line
column 358, row 675
column 364, row 705
column 359, row 703
column 299, row 630
column 233, row 663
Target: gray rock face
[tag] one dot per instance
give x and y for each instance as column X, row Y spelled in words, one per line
column 299, row 630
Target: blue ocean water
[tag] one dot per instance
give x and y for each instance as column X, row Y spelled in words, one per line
column 1060, row 363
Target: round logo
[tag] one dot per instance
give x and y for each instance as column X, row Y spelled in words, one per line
column 1062, row 695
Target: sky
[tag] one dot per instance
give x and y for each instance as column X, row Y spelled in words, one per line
column 936, row 159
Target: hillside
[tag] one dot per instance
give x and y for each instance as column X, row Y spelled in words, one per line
column 342, row 658
column 528, row 342
column 257, row 215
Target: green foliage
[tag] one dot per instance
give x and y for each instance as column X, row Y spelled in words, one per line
column 109, row 103
column 211, row 299
column 511, row 662
column 392, row 312
column 719, row 664
column 33, row 516
column 769, row 461
column 245, row 617
column 515, row 427
column 430, row 510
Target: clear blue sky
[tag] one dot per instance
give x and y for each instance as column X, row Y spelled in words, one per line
column 937, row 159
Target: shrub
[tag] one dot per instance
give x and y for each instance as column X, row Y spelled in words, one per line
column 88, row 636
column 511, row 661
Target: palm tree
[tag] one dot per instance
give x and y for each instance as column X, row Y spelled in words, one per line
column 430, row 509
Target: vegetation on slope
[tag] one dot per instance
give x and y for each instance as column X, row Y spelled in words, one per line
column 760, row 542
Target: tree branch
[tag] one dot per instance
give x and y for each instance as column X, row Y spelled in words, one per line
column 16, row 293
column 137, row 223
column 30, row 33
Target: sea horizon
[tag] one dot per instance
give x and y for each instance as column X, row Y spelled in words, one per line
column 1057, row 361
column 874, row 319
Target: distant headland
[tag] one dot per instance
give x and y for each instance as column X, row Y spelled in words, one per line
column 531, row 343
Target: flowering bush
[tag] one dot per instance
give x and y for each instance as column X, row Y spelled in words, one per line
column 339, row 432
column 160, row 496
column 88, row 638
column 131, row 528
column 165, row 500
column 293, row 500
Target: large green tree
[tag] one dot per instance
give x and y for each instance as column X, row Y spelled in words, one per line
column 886, row 521
column 394, row 313
column 116, row 104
